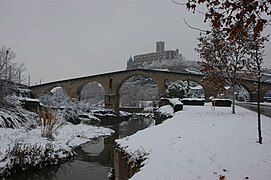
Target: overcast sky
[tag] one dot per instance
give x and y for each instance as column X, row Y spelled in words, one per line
column 60, row 39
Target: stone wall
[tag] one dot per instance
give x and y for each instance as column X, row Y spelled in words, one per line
column 123, row 168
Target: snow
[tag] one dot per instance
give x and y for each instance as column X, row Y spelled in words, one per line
column 167, row 110
column 28, row 99
column 222, row 99
column 198, row 143
column 66, row 138
column 8, row 119
column 198, row 87
column 216, row 99
column 175, row 101
column 161, row 69
column 255, row 103
column 193, row 99
column 193, row 71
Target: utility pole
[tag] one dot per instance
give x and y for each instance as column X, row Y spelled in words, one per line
column 9, row 78
column 29, row 80
column 5, row 89
column 6, row 63
column 19, row 76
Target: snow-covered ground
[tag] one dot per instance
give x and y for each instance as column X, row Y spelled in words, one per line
column 66, row 138
column 198, row 143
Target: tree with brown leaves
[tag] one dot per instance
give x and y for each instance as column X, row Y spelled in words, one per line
column 234, row 16
column 223, row 62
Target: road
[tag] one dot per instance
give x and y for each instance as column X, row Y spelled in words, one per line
column 265, row 108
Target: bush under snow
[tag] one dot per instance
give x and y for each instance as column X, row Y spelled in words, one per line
column 12, row 118
column 23, row 156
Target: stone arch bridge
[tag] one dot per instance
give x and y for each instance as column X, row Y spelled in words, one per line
column 112, row 82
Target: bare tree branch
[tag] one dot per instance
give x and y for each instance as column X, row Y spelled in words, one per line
column 178, row 3
column 198, row 29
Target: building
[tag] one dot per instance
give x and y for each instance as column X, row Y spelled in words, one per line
column 160, row 54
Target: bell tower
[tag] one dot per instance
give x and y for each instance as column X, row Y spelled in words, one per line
column 160, row 46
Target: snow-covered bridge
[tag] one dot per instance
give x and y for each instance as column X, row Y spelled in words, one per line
column 112, row 82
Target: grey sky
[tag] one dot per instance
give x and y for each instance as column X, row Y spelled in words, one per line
column 60, row 39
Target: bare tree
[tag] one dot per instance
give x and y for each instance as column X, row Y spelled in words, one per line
column 256, row 50
column 10, row 71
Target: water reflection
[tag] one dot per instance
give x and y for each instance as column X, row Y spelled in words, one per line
column 135, row 124
column 94, row 148
column 88, row 151
column 94, row 159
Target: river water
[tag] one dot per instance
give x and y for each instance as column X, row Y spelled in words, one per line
column 94, row 159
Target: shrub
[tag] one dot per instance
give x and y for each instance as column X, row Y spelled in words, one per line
column 22, row 157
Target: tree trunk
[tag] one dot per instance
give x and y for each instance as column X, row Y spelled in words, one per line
column 259, row 113
column 233, row 100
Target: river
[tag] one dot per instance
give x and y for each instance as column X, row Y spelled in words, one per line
column 94, row 159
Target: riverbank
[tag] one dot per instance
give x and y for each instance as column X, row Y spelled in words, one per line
column 198, row 143
column 66, row 138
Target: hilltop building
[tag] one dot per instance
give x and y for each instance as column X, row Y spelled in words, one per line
column 160, row 54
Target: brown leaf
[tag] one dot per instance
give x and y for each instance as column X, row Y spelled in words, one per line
column 221, row 177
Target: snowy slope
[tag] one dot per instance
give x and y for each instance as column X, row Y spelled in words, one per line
column 198, row 143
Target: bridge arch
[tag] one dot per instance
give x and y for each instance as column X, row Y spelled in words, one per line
column 58, row 89
column 56, row 97
column 136, row 90
column 160, row 80
column 52, row 88
column 122, row 81
column 250, row 86
column 244, row 90
column 92, row 91
column 196, row 87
